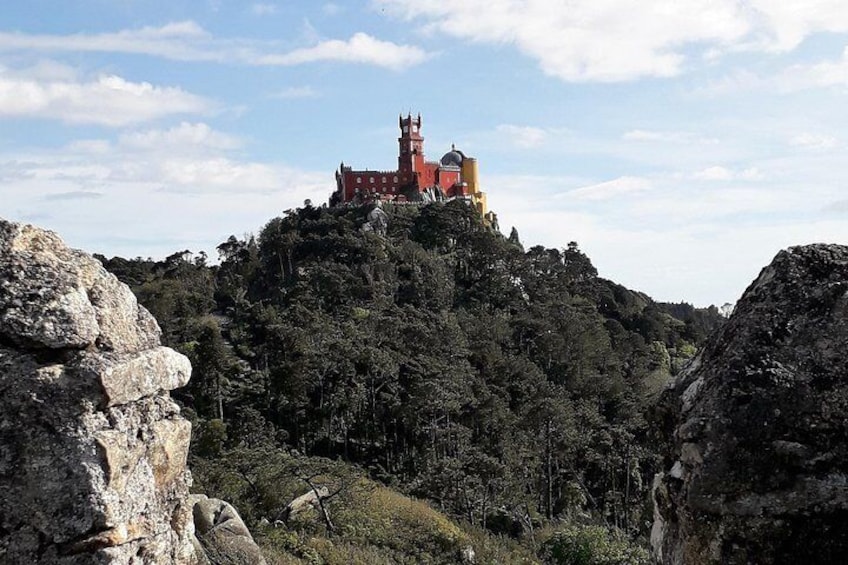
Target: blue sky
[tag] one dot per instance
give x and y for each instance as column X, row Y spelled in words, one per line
column 680, row 143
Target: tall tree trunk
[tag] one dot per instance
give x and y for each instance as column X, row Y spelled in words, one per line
column 289, row 256
column 627, row 491
column 549, row 470
column 220, row 398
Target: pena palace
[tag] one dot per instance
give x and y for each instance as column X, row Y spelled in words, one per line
column 415, row 180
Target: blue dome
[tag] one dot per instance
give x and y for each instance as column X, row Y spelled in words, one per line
column 452, row 158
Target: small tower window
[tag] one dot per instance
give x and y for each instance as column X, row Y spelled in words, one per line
column 358, row 180
column 395, row 179
column 384, row 180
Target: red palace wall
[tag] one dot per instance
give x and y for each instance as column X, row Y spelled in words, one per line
column 375, row 182
column 387, row 184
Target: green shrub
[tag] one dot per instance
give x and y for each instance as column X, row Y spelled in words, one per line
column 591, row 545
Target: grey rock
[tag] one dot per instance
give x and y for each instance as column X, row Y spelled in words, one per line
column 377, row 220
column 309, row 500
column 222, row 534
column 129, row 377
column 92, row 449
column 55, row 297
column 758, row 461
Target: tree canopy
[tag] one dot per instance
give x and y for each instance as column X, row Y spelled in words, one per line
column 507, row 386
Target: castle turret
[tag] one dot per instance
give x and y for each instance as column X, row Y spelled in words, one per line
column 410, row 146
column 472, row 183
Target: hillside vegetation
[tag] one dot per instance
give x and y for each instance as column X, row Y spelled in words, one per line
column 502, row 391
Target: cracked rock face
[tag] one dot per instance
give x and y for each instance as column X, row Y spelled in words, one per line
column 92, row 449
column 757, row 470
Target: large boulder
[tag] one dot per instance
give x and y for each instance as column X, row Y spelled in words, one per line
column 223, row 538
column 92, row 448
column 757, row 470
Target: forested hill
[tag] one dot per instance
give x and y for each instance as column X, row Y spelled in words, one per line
column 508, row 386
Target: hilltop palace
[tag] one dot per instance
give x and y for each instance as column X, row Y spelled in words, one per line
column 415, row 180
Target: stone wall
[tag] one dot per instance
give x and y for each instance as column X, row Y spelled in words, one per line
column 92, row 449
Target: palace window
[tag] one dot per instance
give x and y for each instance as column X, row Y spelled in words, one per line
column 358, row 180
column 384, row 180
column 371, row 179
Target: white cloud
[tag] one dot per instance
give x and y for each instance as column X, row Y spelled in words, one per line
column 218, row 173
column 714, row 173
column 92, row 146
column 152, row 192
column 108, row 100
column 185, row 136
column 332, row 9
column 837, row 207
column 782, row 26
column 187, row 41
column 361, row 48
column 186, row 158
column 74, row 195
column 183, row 41
column 668, row 137
column 676, row 239
column 296, row 92
column 803, row 76
column 752, row 174
column 260, row 9
column 822, row 74
column 719, row 173
column 814, row 141
column 527, row 137
column 739, row 80
column 610, row 189
column 591, row 40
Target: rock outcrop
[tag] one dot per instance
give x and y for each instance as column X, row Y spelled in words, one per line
column 92, row 449
column 223, row 537
column 758, row 465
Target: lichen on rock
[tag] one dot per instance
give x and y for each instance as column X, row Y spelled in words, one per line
column 757, row 467
column 92, row 448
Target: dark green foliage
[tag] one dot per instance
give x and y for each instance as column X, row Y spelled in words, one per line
column 591, row 545
column 506, row 386
column 177, row 291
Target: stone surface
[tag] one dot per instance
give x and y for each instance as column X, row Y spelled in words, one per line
column 92, row 449
column 222, row 534
column 757, row 470
column 55, row 297
column 303, row 502
column 130, row 376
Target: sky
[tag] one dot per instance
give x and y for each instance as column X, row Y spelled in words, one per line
column 681, row 143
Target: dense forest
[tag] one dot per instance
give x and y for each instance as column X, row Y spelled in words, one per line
column 428, row 363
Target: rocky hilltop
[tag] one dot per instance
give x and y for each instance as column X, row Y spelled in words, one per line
column 758, row 461
column 92, row 448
